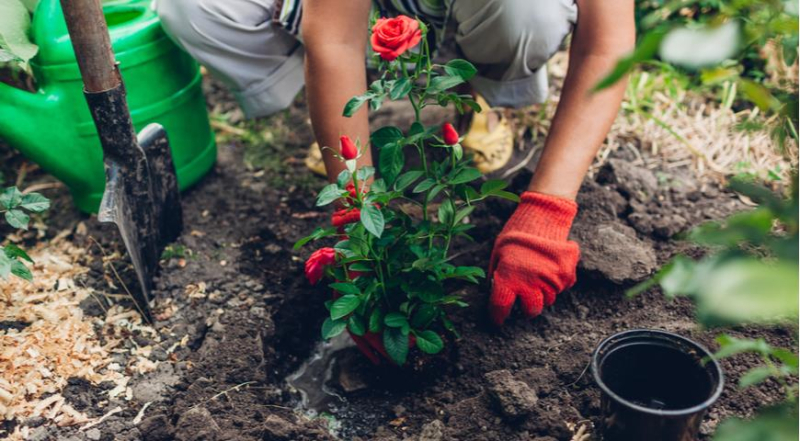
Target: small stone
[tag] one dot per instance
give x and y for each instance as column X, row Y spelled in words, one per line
column 277, row 428
column 93, row 434
column 614, row 250
column 156, row 428
column 433, row 431
column 197, row 424
column 631, row 180
column 515, row 398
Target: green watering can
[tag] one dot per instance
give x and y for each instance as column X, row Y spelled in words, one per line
column 53, row 126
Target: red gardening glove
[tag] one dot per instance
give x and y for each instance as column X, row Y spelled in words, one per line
column 532, row 259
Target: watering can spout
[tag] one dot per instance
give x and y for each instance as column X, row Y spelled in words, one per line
column 28, row 121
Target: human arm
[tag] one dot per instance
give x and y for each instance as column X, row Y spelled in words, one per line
column 532, row 260
column 335, row 37
column 605, row 32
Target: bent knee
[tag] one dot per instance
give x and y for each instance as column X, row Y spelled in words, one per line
column 500, row 31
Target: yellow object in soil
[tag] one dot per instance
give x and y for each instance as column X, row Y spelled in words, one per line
column 493, row 147
column 314, row 160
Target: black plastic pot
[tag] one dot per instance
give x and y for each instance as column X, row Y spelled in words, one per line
column 656, row 385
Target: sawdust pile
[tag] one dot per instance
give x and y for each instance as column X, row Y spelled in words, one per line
column 52, row 341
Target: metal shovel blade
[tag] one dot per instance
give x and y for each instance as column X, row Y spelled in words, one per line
column 141, row 196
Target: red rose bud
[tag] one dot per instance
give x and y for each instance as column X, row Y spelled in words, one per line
column 348, row 148
column 449, row 134
column 345, row 216
column 315, row 265
column 351, row 188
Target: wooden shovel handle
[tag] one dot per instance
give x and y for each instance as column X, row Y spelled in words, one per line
column 92, row 44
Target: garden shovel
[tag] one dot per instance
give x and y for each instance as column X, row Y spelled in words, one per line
column 141, row 195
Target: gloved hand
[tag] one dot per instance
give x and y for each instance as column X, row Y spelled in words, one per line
column 532, row 259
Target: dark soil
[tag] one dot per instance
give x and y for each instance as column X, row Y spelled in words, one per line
column 259, row 319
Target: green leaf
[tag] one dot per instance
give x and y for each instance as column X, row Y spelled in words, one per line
column 396, row 344
column 493, row 186
column 355, row 103
column 771, row 424
column 506, row 195
column 731, row 346
column 15, row 252
column 447, row 212
column 344, row 305
column 759, row 95
column 365, row 173
column 5, row 265
column 460, row 68
column 748, row 291
column 407, row 178
column 319, row 233
column 468, row 174
column 372, row 219
column 10, row 198
column 344, row 178
column 356, row 325
column 385, row 135
column 424, row 315
column 376, row 321
column 463, row 213
column 332, row 328
column 20, row 270
column 400, row 88
column 390, row 152
column 330, row 193
column 429, row 342
column 755, row 376
column 444, row 82
column 395, row 320
column 345, row 288
column 35, row 202
column 424, row 185
column 15, row 22
column 17, row 219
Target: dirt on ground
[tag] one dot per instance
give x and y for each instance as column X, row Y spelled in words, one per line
column 235, row 317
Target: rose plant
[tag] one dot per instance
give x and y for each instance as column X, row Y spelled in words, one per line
column 391, row 266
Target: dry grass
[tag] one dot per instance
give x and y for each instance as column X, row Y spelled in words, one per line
column 60, row 342
column 676, row 127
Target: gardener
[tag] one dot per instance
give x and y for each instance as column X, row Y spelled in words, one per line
column 265, row 50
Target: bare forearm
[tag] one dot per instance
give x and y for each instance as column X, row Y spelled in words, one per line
column 332, row 78
column 605, row 32
column 335, row 36
column 578, row 129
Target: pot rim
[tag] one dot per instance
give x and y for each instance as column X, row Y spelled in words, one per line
column 595, row 366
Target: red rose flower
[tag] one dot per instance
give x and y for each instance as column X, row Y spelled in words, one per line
column 449, row 134
column 315, row 265
column 391, row 37
column 347, row 148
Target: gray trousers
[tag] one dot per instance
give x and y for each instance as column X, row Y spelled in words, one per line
column 509, row 40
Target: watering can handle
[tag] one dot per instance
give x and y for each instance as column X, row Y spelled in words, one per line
column 92, row 44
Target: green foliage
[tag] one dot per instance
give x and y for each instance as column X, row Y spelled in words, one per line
column 16, row 208
column 15, row 22
column 750, row 277
column 715, row 43
column 393, row 268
